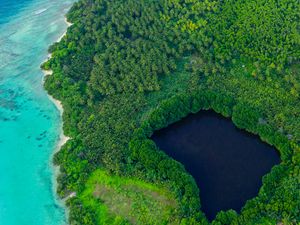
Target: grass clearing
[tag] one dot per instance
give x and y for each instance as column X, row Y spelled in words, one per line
column 118, row 200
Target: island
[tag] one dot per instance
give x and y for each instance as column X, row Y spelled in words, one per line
column 126, row 69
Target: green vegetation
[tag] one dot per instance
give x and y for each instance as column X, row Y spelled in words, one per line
column 127, row 68
column 134, row 200
column 266, row 31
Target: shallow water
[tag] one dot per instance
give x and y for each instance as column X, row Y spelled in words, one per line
column 30, row 124
column 227, row 163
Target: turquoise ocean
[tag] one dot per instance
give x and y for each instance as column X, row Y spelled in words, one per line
column 30, row 124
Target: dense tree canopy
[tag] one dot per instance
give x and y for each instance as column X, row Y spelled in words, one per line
column 266, row 32
column 127, row 68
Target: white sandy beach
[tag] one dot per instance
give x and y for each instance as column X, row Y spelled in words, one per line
column 63, row 138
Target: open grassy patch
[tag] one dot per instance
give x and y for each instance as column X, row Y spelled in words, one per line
column 118, row 200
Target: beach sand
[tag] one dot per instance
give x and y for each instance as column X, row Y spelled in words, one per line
column 63, row 138
column 68, row 25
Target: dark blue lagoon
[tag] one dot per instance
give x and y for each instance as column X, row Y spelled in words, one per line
column 227, row 163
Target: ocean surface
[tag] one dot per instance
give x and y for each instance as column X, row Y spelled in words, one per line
column 30, row 124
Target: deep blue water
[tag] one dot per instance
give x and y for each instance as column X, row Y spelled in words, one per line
column 30, row 124
column 9, row 8
column 226, row 162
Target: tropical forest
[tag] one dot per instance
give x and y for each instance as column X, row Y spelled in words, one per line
column 127, row 68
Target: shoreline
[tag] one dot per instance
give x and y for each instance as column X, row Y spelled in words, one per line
column 62, row 137
column 49, row 72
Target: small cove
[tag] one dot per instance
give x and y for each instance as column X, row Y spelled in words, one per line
column 227, row 163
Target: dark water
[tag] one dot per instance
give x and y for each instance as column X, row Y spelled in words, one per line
column 9, row 8
column 227, row 163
